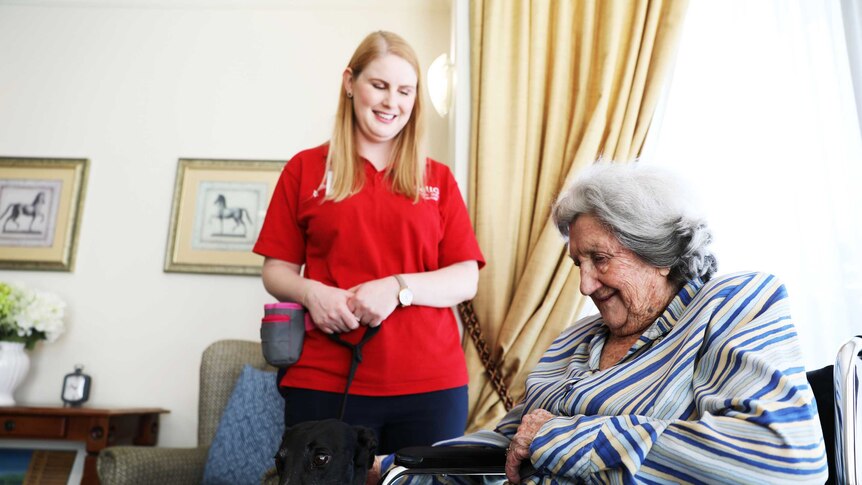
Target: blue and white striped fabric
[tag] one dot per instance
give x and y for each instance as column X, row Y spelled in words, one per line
column 713, row 392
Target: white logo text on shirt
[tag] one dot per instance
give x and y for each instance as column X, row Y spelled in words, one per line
column 429, row 192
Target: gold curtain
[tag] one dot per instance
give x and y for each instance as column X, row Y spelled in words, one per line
column 556, row 83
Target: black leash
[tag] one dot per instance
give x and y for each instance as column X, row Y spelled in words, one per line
column 356, row 358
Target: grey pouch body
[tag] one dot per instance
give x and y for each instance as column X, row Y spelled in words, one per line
column 282, row 332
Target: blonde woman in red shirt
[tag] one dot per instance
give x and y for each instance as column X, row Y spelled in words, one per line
column 366, row 231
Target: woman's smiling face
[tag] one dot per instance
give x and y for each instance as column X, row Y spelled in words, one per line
column 383, row 97
column 629, row 293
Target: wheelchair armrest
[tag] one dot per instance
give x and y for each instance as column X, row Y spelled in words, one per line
column 450, row 457
column 464, row 459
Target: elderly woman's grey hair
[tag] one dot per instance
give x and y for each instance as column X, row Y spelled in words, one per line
column 648, row 211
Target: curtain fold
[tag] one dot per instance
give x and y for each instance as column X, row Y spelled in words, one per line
column 556, row 84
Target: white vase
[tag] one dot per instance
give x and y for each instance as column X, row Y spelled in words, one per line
column 14, row 364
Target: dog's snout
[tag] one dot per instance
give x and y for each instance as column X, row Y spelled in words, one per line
column 328, row 452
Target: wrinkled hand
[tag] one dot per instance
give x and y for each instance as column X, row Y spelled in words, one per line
column 373, row 301
column 330, row 309
column 519, row 448
column 374, row 472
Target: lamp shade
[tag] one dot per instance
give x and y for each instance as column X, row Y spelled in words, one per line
column 441, row 80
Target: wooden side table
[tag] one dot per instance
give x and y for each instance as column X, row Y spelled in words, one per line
column 98, row 428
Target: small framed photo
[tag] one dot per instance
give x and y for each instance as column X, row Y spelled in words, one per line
column 41, row 461
column 218, row 210
column 41, row 200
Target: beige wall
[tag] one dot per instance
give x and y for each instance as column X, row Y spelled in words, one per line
column 133, row 86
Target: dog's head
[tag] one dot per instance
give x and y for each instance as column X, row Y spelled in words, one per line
column 326, row 452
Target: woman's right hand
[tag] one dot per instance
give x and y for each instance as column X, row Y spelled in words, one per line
column 329, row 308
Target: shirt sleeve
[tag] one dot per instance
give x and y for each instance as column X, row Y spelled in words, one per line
column 756, row 418
column 281, row 236
column 459, row 241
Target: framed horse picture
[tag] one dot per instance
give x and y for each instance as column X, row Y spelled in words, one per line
column 41, row 200
column 218, row 209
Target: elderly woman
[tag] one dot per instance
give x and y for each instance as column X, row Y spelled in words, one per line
column 682, row 377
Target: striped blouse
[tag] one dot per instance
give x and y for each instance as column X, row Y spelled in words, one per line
column 713, row 392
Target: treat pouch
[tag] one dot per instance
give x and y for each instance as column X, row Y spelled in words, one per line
column 282, row 331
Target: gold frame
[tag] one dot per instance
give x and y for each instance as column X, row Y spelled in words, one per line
column 194, row 244
column 53, row 247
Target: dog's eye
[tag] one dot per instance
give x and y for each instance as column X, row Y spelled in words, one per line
column 321, row 460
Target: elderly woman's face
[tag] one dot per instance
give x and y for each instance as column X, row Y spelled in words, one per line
column 629, row 293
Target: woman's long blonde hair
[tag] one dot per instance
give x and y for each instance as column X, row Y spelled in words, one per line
column 407, row 168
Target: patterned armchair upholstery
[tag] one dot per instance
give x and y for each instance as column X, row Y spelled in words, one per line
column 221, row 365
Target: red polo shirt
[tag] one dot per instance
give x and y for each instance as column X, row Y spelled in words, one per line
column 373, row 234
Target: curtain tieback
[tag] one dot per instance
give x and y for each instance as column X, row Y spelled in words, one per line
column 471, row 326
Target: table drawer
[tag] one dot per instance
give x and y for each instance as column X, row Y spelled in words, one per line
column 32, row 426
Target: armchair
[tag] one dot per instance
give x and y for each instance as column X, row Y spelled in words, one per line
column 221, row 365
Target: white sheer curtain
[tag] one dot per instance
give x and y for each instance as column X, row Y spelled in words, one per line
column 852, row 14
column 761, row 119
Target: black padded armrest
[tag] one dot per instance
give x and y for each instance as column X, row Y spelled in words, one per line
column 450, row 457
column 462, row 458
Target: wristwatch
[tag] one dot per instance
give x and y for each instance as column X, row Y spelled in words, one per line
column 405, row 294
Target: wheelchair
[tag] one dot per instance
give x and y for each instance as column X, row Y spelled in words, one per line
column 836, row 389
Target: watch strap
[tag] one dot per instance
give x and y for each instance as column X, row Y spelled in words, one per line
column 401, row 283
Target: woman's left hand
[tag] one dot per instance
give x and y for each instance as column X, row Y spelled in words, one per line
column 519, row 448
column 375, row 300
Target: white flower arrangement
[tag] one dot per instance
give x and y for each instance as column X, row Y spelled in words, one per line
column 28, row 315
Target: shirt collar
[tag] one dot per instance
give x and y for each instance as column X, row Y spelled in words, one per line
column 666, row 321
column 661, row 327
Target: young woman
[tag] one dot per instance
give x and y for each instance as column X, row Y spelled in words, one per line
column 385, row 240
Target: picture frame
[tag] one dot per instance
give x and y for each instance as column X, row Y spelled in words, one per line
column 41, row 203
column 217, row 212
column 41, row 461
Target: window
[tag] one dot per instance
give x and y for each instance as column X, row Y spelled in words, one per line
column 760, row 118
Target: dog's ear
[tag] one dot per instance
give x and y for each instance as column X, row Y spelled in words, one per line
column 282, row 454
column 366, row 447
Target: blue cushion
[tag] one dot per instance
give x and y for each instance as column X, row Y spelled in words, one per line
column 249, row 432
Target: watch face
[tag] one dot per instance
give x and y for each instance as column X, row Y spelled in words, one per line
column 73, row 388
column 405, row 297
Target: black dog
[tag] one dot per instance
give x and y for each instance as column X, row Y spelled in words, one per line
column 328, row 452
